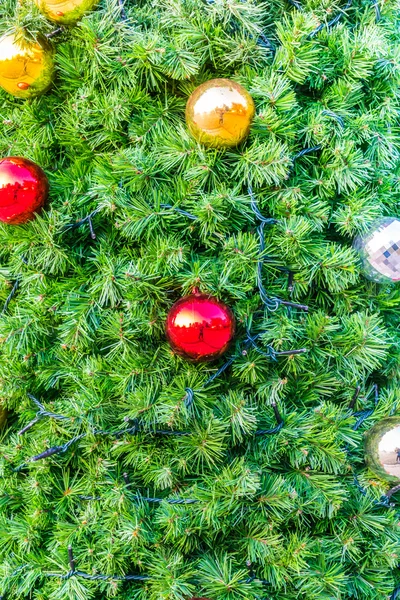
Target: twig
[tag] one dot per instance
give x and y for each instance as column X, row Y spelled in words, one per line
column 354, row 398
column 54, row 33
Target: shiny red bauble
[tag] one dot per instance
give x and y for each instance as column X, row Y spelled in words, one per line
column 23, row 189
column 200, row 327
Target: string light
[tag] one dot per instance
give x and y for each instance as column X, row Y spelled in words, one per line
column 271, row 304
column 74, row 572
column 365, row 414
column 87, row 219
column 333, row 21
column 11, row 295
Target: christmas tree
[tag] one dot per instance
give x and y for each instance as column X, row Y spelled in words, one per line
column 126, row 470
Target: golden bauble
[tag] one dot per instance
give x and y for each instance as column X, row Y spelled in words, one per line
column 219, row 113
column 382, row 449
column 66, row 12
column 26, row 68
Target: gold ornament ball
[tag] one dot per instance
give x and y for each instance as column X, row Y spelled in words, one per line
column 26, row 68
column 219, row 113
column 65, row 12
column 382, row 449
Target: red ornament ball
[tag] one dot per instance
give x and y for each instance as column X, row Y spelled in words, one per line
column 200, row 327
column 23, row 189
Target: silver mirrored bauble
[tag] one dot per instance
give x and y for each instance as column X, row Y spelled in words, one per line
column 382, row 449
column 379, row 250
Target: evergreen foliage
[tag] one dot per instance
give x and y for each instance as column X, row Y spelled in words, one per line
column 219, row 511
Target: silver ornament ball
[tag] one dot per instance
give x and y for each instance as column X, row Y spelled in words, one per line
column 379, row 251
column 382, row 449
